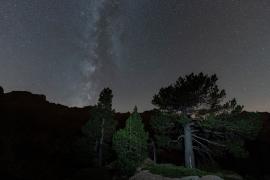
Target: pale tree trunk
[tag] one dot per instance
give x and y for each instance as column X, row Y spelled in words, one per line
column 189, row 154
column 101, row 143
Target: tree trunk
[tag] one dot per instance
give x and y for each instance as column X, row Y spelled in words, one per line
column 96, row 146
column 101, row 143
column 154, row 152
column 189, row 154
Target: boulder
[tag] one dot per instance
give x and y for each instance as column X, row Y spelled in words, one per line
column 146, row 175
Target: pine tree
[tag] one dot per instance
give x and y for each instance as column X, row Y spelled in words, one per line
column 195, row 113
column 130, row 144
column 99, row 129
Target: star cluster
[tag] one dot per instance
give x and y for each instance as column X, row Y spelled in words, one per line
column 69, row 50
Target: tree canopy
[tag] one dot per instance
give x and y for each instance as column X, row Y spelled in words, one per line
column 189, row 93
column 105, row 99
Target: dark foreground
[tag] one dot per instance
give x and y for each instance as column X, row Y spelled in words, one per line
column 36, row 142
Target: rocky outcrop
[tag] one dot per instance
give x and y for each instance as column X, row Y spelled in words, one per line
column 35, row 135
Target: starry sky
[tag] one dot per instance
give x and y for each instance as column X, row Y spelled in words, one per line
column 70, row 49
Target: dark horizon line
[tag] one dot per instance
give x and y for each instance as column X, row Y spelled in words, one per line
column 116, row 110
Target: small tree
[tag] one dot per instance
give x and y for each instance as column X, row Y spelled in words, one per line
column 130, row 144
column 99, row 129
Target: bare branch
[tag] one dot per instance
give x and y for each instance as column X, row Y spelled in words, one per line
column 180, row 137
column 202, row 145
column 214, row 132
column 194, row 131
column 173, row 141
column 178, row 140
column 210, row 142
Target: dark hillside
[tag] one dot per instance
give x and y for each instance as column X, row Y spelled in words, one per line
column 35, row 137
column 32, row 132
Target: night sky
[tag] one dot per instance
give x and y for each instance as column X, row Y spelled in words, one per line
column 70, row 49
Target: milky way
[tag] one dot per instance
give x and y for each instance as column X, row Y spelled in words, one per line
column 71, row 49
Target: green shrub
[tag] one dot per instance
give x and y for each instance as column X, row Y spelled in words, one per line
column 130, row 144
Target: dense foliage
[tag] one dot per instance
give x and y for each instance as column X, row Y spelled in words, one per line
column 232, row 130
column 130, row 144
column 192, row 92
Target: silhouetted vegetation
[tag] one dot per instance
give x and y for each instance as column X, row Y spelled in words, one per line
column 191, row 110
column 1, row 91
column 42, row 140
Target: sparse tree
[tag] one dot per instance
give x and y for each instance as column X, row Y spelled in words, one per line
column 99, row 129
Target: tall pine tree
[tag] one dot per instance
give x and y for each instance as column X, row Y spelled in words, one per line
column 99, row 129
column 193, row 106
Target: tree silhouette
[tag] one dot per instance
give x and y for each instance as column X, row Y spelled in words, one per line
column 1, row 90
column 99, row 129
column 192, row 102
column 190, row 93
